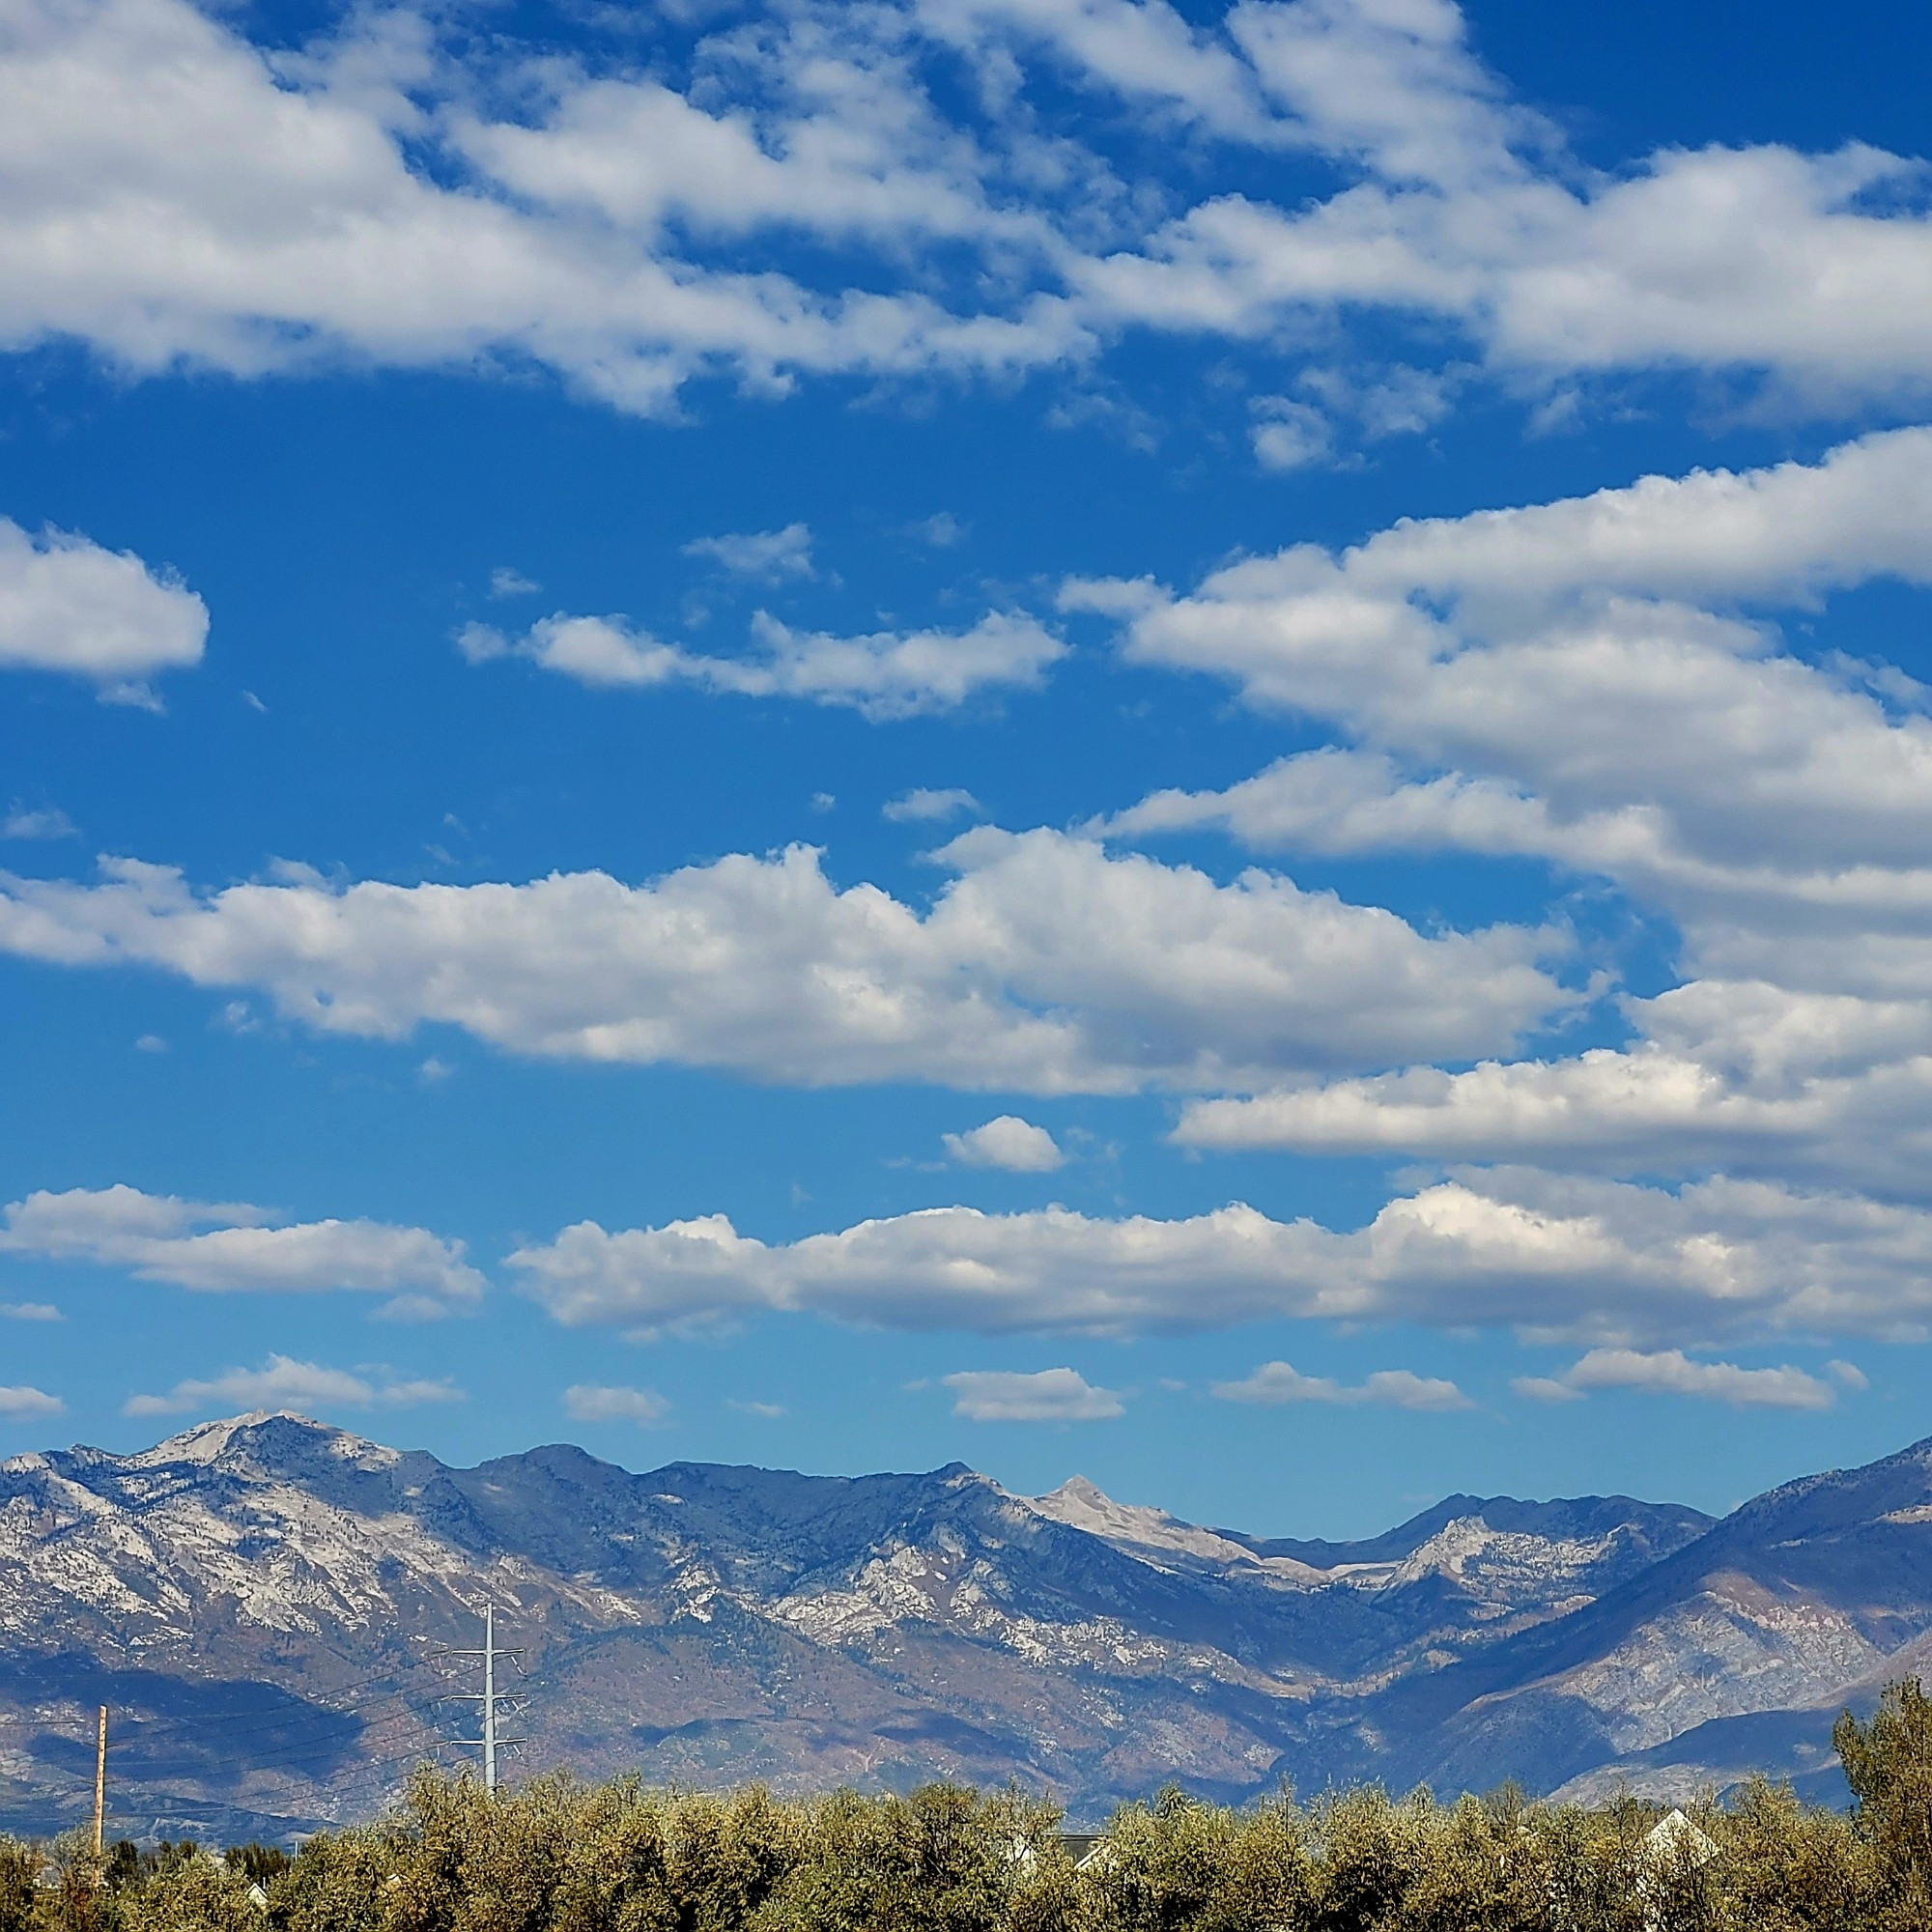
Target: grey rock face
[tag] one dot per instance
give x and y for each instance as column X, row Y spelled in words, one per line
column 259, row 1601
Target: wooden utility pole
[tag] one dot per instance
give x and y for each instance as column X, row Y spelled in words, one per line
column 99, row 1781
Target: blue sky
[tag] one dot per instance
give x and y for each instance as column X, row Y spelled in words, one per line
column 1175, row 743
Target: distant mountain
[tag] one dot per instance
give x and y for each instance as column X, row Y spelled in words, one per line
column 1735, row 1652
column 259, row 1602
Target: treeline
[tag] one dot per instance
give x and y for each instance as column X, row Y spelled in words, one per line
column 558, row 1856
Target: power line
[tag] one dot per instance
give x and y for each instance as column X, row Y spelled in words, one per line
column 353, row 1724
column 315, row 1714
column 305, row 1754
column 264, row 1721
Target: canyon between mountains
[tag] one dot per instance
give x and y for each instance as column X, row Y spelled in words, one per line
column 258, row 1601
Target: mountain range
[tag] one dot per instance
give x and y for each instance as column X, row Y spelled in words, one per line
column 270, row 1606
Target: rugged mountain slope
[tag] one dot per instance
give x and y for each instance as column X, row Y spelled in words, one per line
column 1805, row 1597
column 259, row 1602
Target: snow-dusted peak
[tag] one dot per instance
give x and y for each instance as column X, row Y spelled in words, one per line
column 208, row 1441
column 260, row 1444
column 1084, row 1505
column 1509, row 1564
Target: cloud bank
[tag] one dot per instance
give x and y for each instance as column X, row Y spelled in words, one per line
column 1548, row 1256
column 236, row 1249
column 862, row 192
column 1045, row 965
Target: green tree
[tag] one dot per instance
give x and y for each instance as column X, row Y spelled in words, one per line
column 1178, row 1866
column 1887, row 1763
column 336, row 1882
column 1791, row 1868
column 936, row 1860
column 1478, row 1868
column 1371, row 1854
column 727, row 1855
column 188, row 1892
column 20, row 1868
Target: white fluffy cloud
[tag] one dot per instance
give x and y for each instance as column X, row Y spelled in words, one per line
column 282, row 1383
column 886, row 674
column 1288, row 435
column 231, row 1248
column 925, row 805
column 1573, row 680
column 25, row 1401
column 1007, row 1142
column 593, row 1402
column 1741, row 1075
column 1466, row 210
column 1603, row 1261
column 1275, row 1384
column 252, row 211
column 67, row 605
column 771, row 556
column 45, row 821
column 1044, row 966
column 1047, row 1394
column 383, row 195
column 1585, row 682
column 1670, row 1371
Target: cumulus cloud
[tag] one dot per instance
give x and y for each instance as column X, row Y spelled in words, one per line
column 1573, row 680
column 1551, row 1256
column 923, row 806
column 30, row 1311
column 770, row 555
column 883, row 675
column 67, row 605
column 264, row 211
column 1670, row 1371
column 363, row 198
column 1464, row 208
column 1590, row 682
column 1744, row 1076
column 233, row 1248
column 1275, row 1384
column 1288, row 435
column 1007, row 1141
column 283, row 1382
column 25, row 1402
column 38, row 822
column 1048, row 1395
column 592, row 1402
column 1045, row 965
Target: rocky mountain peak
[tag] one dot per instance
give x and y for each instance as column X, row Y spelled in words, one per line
column 714, row 1624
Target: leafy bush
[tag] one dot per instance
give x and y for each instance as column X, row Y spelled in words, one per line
column 558, row 1856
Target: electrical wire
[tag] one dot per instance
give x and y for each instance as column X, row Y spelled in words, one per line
column 266, row 1722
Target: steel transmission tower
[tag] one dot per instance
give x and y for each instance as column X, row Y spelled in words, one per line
column 489, row 1698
